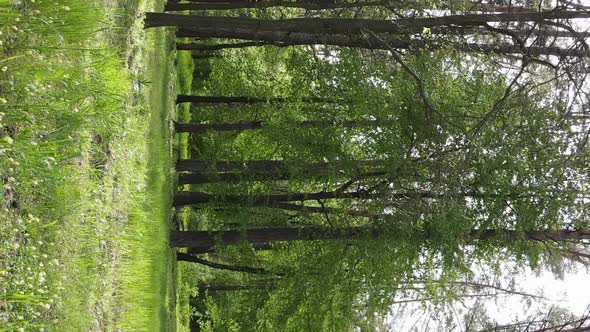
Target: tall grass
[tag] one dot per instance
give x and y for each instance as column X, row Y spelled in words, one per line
column 83, row 210
column 185, row 68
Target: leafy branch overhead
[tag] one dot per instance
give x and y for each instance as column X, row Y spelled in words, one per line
column 350, row 157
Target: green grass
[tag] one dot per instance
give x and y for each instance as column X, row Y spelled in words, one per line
column 85, row 167
column 185, row 69
column 184, row 77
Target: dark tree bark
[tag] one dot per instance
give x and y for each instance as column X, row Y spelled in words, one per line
column 182, row 257
column 217, row 47
column 270, row 200
column 225, row 100
column 307, row 5
column 351, row 26
column 200, row 178
column 226, row 287
column 369, row 41
column 212, row 177
column 314, row 5
column 198, row 128
column 205, row 239
column 197, row 197
column 458, row 31
column 278, row 166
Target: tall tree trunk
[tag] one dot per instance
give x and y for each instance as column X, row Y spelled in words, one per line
column 212, row 177
column 201, row 178
column 228, row 287
column 182, row 257
column 369, row 42
column 314, row 5
column 278, row 166
column 217, row 47
column 459, row 31
column 225, row 100
column 206, row 239
column 197, row 197
column 349, row 25
column 270, row 235
column 270, row 200
column 198, row 128
column 307, row 5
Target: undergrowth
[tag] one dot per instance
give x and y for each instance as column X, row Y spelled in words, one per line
column 83, row 215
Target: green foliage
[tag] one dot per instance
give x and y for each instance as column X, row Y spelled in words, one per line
column 484, row 159
column 457, row 147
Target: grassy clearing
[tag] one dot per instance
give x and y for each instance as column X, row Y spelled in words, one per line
column 84, row 168
column 184, row 80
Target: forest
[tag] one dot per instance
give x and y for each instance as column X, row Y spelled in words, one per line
column 345, row 157
column 294, row 165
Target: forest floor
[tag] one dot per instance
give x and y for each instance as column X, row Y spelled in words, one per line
column 185, row 69
column 85, row 168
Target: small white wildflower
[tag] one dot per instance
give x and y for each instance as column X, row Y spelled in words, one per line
column 4, row 68
column 66, row 8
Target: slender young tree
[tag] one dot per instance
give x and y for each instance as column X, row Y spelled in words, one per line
column 205, row 239
column 182, row 257
column 285, row 38
column 228, row 100
column 279, row 166
column 197, row 128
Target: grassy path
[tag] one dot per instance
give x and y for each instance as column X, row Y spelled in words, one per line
column 85, row 168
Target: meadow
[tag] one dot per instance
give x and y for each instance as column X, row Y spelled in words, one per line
column 85, row 167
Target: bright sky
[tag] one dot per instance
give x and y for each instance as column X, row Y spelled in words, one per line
column 573, row 293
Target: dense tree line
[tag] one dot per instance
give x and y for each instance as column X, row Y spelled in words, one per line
column 335, row 174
